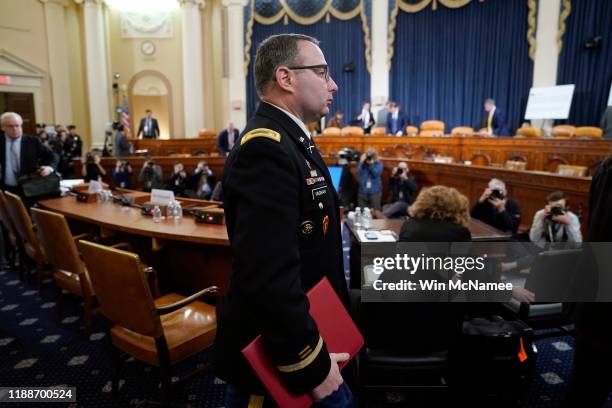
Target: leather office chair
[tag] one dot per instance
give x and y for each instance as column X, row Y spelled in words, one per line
column 331, row 131
column 14, row 245
column 564, row 131
column 32, row 248
column 432, row 128
column 462, row 131
column 351, row 131
column 159, row 332
column 480, row 159
column 379, row 131
column 412, row 130
column 69, row 271
column 529, row 132
column 589, row 132
column 204, row 133
column 407, row 344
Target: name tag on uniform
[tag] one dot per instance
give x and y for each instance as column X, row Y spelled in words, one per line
column 319, row 191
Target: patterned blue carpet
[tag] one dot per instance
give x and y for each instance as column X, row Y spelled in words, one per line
column 36, row 350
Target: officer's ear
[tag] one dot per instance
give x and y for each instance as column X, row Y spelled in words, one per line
column 285, row 78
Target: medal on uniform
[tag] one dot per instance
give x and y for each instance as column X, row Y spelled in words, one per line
column 313, row 172
column 325, row 224
column 306, row 228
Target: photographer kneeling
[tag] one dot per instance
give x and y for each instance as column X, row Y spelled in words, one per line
column 554, row 222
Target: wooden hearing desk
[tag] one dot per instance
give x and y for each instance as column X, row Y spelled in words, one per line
column 188, row 256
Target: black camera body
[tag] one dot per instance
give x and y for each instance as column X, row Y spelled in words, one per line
column 556, row 210
column 498, row 194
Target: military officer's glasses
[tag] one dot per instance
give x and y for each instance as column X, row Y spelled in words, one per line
column 321, row 70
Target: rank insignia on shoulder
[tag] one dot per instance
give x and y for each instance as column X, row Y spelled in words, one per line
column 261, row 132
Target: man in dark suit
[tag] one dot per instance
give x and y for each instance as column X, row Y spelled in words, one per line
column 226, row 139
column 494, row 120
column 364, row 119
column 21, row 154
column 396, row 121
column 148, row 126
column 283, row 223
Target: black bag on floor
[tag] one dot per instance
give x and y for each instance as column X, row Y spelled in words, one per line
column 496, row 357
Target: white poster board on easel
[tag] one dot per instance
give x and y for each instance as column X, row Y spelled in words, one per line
column 550, row 102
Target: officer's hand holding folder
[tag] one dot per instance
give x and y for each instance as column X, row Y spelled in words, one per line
column 337, row 329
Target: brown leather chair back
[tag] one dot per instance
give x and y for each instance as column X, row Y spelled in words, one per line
column 331, row 131
column 21, row 219
column 121, row 288
column 352, row 131
column 589, row 131
column 379, row 131
column 412, row 130
column 529, row 132
column 462, row 131
column 564, row 131
column 204, row 133
column 481, row 159
column 432, row 128
column 56, row 238
column 5, row 217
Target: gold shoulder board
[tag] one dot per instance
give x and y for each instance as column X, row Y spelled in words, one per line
column 261, row 132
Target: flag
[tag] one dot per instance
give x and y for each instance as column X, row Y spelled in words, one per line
column 125, row 117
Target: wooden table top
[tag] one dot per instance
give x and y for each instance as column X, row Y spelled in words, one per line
column 479, row 230
column 130, row 220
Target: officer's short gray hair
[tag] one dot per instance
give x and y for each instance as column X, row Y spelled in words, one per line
column 11, row 114
column 274, row 51
column 495, row 183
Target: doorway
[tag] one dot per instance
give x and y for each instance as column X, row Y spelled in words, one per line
column 151, row 90
column 23, row 104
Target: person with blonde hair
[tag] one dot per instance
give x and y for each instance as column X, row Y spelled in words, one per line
column 439, row 214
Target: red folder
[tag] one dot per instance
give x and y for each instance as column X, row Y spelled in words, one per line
column 337, row 329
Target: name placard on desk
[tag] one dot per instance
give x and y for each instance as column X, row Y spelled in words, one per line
column 161, row 197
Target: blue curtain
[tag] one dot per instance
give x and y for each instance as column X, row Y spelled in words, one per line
column 447, row 62
column 590, row 70
column 342, row 43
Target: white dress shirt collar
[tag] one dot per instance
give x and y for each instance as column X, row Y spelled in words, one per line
column 297, row 120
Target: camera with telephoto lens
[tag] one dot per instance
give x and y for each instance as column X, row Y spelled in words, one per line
column 399, row 171
column 498, row 194
column 347, row 155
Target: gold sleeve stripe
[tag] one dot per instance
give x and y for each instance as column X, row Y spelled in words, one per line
column 256, row 401
column 261, row 132
column 305, row 362
column 307, row 350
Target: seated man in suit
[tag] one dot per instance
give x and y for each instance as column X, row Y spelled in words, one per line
column 226, row 139
column 494, row 120
column 21, row 154
column 396, row 121
column 148, row 126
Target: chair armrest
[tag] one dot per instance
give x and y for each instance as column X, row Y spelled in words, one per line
column 85, row 235
column 162, row 310
column 151, row 275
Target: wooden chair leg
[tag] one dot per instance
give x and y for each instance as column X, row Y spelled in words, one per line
column 58, row 305
column 40, row 270
column 163, row 354
column 87, row 313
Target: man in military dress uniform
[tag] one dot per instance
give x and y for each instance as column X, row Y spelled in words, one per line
column 283, row 224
